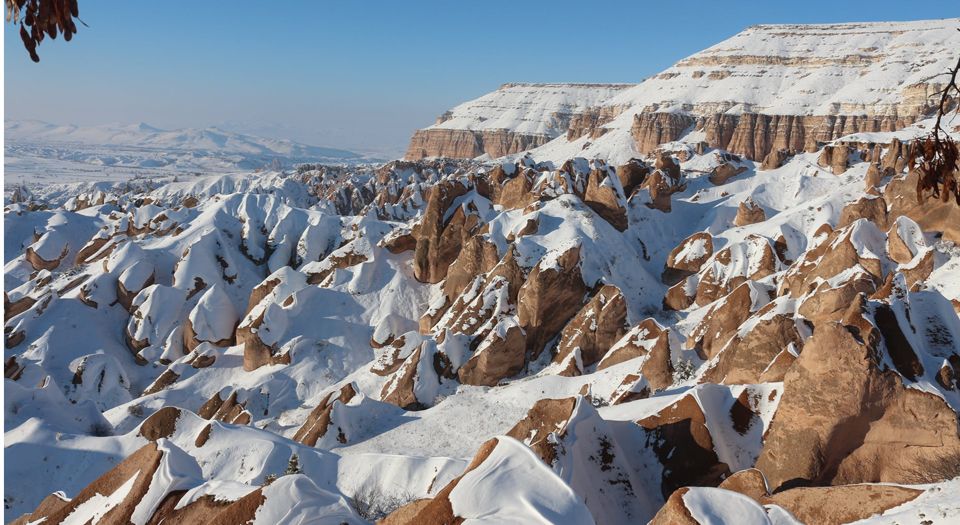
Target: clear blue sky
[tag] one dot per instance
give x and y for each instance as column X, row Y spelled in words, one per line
column 365, row 74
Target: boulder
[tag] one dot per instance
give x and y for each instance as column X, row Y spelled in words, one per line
column 551, row 295
column 749, row 212
column 724, row 172
column 439, row 239
column 688, row 257
column 774, row 159
column 844, row 420
column 834, row 157
column 605, row 196
column 874, row 209
column 632, row 174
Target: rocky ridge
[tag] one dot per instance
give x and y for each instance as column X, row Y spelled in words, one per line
column 676, row 338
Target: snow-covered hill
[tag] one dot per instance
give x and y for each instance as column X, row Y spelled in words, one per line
column 686, row 337
column 148, row 137
column 41, row 153
column 767, row 88
column 515, row 117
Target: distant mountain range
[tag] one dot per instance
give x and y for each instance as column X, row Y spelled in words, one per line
column 145, row 136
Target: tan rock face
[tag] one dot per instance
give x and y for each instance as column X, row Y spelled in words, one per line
column 723, row 320
column 39, row 263
column 467, row 144
column 843, row 420
column 318, row 422
column 665, row 163
column 256, row 353
column 834, row 255
column 660, row 191
column 478, row 256
column 649, row 130
column 874, row 209
column 932, row 215
column 757, row 135
column 749, row 212
column 632, row 175
column 595, row 328
column 681, row 295
column 139, row 466
column 546, row 417
column 724, row 172
column 549, row 298
column 439, row 240
column 400, row 389
column 835, row 158
column 517, row 192
column 499, row 356
column 679, row 436
column 761, row 355
column 821, row 505
column 229, row 411
column 689, row 256
column 774, row 159
column 648, row 339
column 14, row 308
column 604, row 197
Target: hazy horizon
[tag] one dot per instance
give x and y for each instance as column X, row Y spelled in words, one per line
column 359, row 76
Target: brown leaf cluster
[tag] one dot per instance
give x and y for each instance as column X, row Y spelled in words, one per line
column 42, row 18
column 935, row 157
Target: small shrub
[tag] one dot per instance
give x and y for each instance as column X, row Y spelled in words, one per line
column 293, row 466
column 684, row 370
column 373, row 504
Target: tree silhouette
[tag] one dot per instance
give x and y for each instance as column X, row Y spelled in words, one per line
column 936, row 156
column 41, row 18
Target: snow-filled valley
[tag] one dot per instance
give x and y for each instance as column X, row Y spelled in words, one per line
column 578, row 331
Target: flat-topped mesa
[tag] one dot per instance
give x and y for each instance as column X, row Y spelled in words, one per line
column 516, row 117
column 792, row 87
column 769, row 88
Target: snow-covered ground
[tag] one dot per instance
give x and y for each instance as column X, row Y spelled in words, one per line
column 521, row 340
column 38, row 153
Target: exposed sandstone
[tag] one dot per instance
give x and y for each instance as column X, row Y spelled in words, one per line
column 749, row 212
column 651, row 129
column 724, row 172
column 761, row 355
column 542, row 423
column 688, row 257
column 774, row 159
column 500, row 355
column 843, row 420
column 647, row 339
column 834, row 157
column 874, row 209
column 932, row 215
column 679, row 436
column 632, row 174
column 467, row 144
column 605, row 197
column 439, row 239
column 318, row 422
column 595, row 328
column 551, row 295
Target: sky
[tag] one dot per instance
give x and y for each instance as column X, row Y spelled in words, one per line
column 364, row 75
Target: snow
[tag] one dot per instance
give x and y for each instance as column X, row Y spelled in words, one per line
column 710, row 506
column 93, row 509
column 528, row 108
column 537, row 494
column 38, row 153
column 78, row 403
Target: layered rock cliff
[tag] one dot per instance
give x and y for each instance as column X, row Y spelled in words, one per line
column 766, row 89
column 514, row 118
